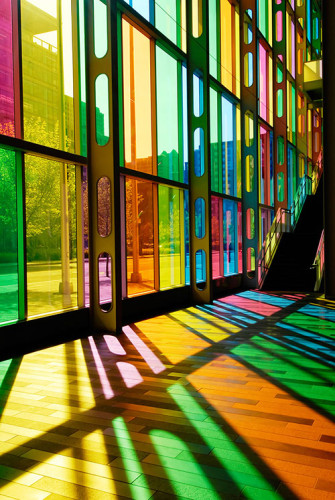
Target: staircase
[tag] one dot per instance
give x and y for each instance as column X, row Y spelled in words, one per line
column 286, row 259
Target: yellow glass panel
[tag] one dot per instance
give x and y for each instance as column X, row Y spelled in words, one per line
column 226, row 44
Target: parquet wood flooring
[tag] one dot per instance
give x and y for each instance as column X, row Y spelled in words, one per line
column 233, row 399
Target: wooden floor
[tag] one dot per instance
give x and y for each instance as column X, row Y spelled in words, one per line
column 230, row 400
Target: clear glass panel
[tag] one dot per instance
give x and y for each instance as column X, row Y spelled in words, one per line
column 100, row 29
column 105, row 281
column 6, row 79
column 101, row 110
column 167, row 117
column 139, row 236
column 136, row 99
column 171, row 236
column 51, row 236
column 47, row 73
column 104, row 206
column 200, row 218
column 9, row 281
column 199, row 152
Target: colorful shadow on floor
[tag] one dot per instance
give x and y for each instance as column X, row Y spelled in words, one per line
column 233, row 399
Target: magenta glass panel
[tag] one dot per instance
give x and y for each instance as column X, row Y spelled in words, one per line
column 293, row 48
column 263, row 99
column 279, row 26
column 6, row 70
column 217, row 238
column 239, row 235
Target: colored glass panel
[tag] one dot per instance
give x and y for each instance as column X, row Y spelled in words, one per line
column 141, row 6
column 199, row 152
column 171, row 236
column 217, row 237
column 167, row 117
column 185, row 123
column 291, row 112
column 230, row 47
column 230, row 235
column 9, row 278
column 196, row 18
column 137, row 111
column 198, row 95
column 265, row 89
column 265, row 18
column 228, row 146
column 101, row 110
column 200, row 218
column 216, row 171
column 6, row 70
column 100, row 29
column 200, row 265
column 266, row 171
column 170, row 20
column 51, row 225
column 47, row 73
column 213, row 41
column 139, row 236
column 292, row 183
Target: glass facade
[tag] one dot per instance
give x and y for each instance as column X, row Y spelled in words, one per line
column 147, row 132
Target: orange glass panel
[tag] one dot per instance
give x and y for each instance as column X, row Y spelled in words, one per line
column 230, row 66
column 139, row 236
column 137, row 99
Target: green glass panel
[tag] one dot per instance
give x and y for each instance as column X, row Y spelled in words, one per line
column 263, row 17
column 170, row 236
column 280, row 150
column 100, row 29
column 167, row 117
column 216, row 172
column 51, row 236
column 280, row 103
column 294, row 134
column 165, row 18
column 8, row 238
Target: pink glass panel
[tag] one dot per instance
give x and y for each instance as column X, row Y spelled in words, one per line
column 6, row 70
column 279, row 23
column 293, row 48
column 263, row 101
column 239, row 233
column 217, row 256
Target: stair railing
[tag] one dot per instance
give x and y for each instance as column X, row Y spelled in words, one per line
column 286, row 220
column 319, row 262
